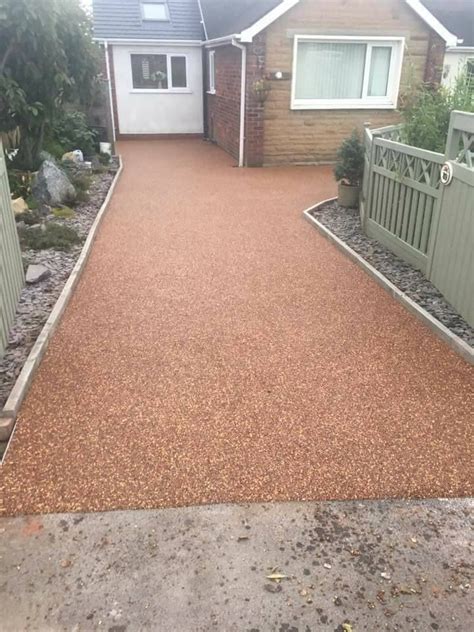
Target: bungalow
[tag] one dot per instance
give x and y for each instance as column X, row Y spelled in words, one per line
column 270, row 81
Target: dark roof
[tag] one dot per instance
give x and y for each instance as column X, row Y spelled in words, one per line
column 455, row 15
column 226, row 17
column 122, row 19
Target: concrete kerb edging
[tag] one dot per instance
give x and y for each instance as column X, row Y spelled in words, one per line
column 10, row 410
column 454, row 341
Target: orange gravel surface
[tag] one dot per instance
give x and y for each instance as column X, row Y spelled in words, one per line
column 218, row 349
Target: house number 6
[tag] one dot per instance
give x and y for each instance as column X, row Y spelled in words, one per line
column 446, row 174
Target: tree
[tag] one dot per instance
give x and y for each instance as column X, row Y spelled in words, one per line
column 47, row 57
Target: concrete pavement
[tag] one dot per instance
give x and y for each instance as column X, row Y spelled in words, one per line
column 349, row 566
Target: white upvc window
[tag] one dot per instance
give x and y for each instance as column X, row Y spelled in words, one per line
column 155, row 11
column 159, row 72
column 339, row 72
column 212, row 72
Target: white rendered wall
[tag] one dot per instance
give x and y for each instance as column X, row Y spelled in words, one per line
column 149, row 112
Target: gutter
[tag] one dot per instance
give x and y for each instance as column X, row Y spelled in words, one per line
column 221, row 41
column 243, row 87
column 109, row 83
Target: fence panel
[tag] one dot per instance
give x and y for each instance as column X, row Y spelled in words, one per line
column 452, row 263
column 11, row 267
column 403, row 198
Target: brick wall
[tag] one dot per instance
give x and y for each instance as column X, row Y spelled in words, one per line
column 255, row 108
column 305, row 136
column 223, row 108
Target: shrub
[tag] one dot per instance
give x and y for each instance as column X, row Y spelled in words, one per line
column 350, row 161
column 29, row 217
column 70, row 131
column 52, row 235
column 20, row 183
column 427, row 112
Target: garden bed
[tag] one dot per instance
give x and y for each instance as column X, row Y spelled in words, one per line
column 38, row 299
column 345, row 224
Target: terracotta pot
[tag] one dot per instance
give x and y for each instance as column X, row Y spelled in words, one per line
column 348, row 195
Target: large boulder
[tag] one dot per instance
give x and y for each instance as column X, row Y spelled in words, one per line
column 52, row 186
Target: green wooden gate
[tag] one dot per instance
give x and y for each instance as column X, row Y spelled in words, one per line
column 451, row 265
column 11, row 267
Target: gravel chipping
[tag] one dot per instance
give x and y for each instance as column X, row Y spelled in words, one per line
column 37, row 300
column 345, row 223
column 218, row 349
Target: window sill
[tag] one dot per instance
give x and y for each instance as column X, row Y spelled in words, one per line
column 156, row 91
column 344, row 106
column 210, row 92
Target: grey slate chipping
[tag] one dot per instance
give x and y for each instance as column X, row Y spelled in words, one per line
column 122, row 19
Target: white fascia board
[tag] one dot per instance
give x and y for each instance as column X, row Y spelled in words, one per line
column 460, row 49
column 148, row 42
column 221, row 41
column 434, row 23
column 203, row 21
column 248, row 34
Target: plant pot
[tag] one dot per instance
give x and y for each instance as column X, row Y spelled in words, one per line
column 348, row 195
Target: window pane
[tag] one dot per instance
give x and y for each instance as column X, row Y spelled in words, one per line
column 155, row 11
column 149, row 71
column 178, row 72
column 379, row 71
column 330, row 70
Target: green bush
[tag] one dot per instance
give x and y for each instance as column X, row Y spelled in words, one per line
column 54, row 236
column 70, row 131
column 29, row 217
column 427, row 112
column 20, row 183
column 350, row 161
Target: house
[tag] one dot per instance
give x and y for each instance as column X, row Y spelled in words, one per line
column 270, row 81
column 458, row 17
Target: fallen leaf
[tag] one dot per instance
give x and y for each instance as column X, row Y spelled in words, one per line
column 347, row 627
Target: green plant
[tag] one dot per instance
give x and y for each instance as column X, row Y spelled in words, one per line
column 63, row 212
column 47, row 58
column 50, row 236
column 104, row 158
column 20, row 183
column 70, row 131
column 32, row 203
column 30, row 218
column 350, row 161
column 427, row 112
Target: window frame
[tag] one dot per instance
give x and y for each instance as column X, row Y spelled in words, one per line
column 145, row 19
column 170, row 89
column 211, row 72
column 388, row 102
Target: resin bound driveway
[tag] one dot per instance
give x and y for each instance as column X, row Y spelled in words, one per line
column 218, row 349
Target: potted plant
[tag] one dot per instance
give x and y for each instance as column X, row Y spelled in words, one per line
column 349, row 170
